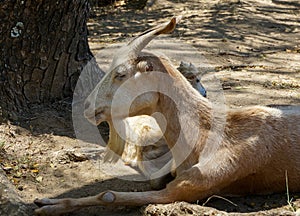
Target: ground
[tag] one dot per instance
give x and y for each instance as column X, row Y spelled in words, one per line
column 252, row 47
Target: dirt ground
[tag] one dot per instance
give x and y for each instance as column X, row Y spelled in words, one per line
column 253, row 49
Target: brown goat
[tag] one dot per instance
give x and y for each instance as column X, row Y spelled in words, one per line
column 254, row 146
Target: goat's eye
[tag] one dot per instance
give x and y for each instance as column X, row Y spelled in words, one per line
column 120, row 76
column 197, row 80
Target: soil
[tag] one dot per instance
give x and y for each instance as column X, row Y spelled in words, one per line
column 252, row 47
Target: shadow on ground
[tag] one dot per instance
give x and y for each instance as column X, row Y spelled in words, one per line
column 249, row 204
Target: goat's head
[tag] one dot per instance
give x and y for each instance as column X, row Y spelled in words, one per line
column 129, row 63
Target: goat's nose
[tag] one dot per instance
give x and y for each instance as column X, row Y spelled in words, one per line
column 99, row 112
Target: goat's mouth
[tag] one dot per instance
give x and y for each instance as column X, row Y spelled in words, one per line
column 96, row 117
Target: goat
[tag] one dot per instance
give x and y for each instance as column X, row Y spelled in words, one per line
column 257, row 145
column 144, row 146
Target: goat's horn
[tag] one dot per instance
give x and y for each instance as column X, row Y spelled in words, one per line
column 138, row 43
column 133, row 48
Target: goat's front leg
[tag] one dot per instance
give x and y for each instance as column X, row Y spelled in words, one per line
column 61, row 206
column 185, row 188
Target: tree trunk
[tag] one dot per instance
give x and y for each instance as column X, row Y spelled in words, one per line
column 43, row 48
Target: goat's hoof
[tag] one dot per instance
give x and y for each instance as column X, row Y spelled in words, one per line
column 43, row 202
column 49, row 207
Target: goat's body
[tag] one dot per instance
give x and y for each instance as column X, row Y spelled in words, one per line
column 273, row 141
column 260, row 146
column 257, row 147
column 264, row 143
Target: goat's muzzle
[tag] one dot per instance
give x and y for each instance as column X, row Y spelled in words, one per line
column 96, row 116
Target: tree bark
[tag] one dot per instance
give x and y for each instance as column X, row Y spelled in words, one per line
column 43, row 48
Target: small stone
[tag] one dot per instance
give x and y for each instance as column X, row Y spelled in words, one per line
column 39, row 178
column 58, row 173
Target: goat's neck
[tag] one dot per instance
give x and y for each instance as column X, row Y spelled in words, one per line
column 188, row 120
